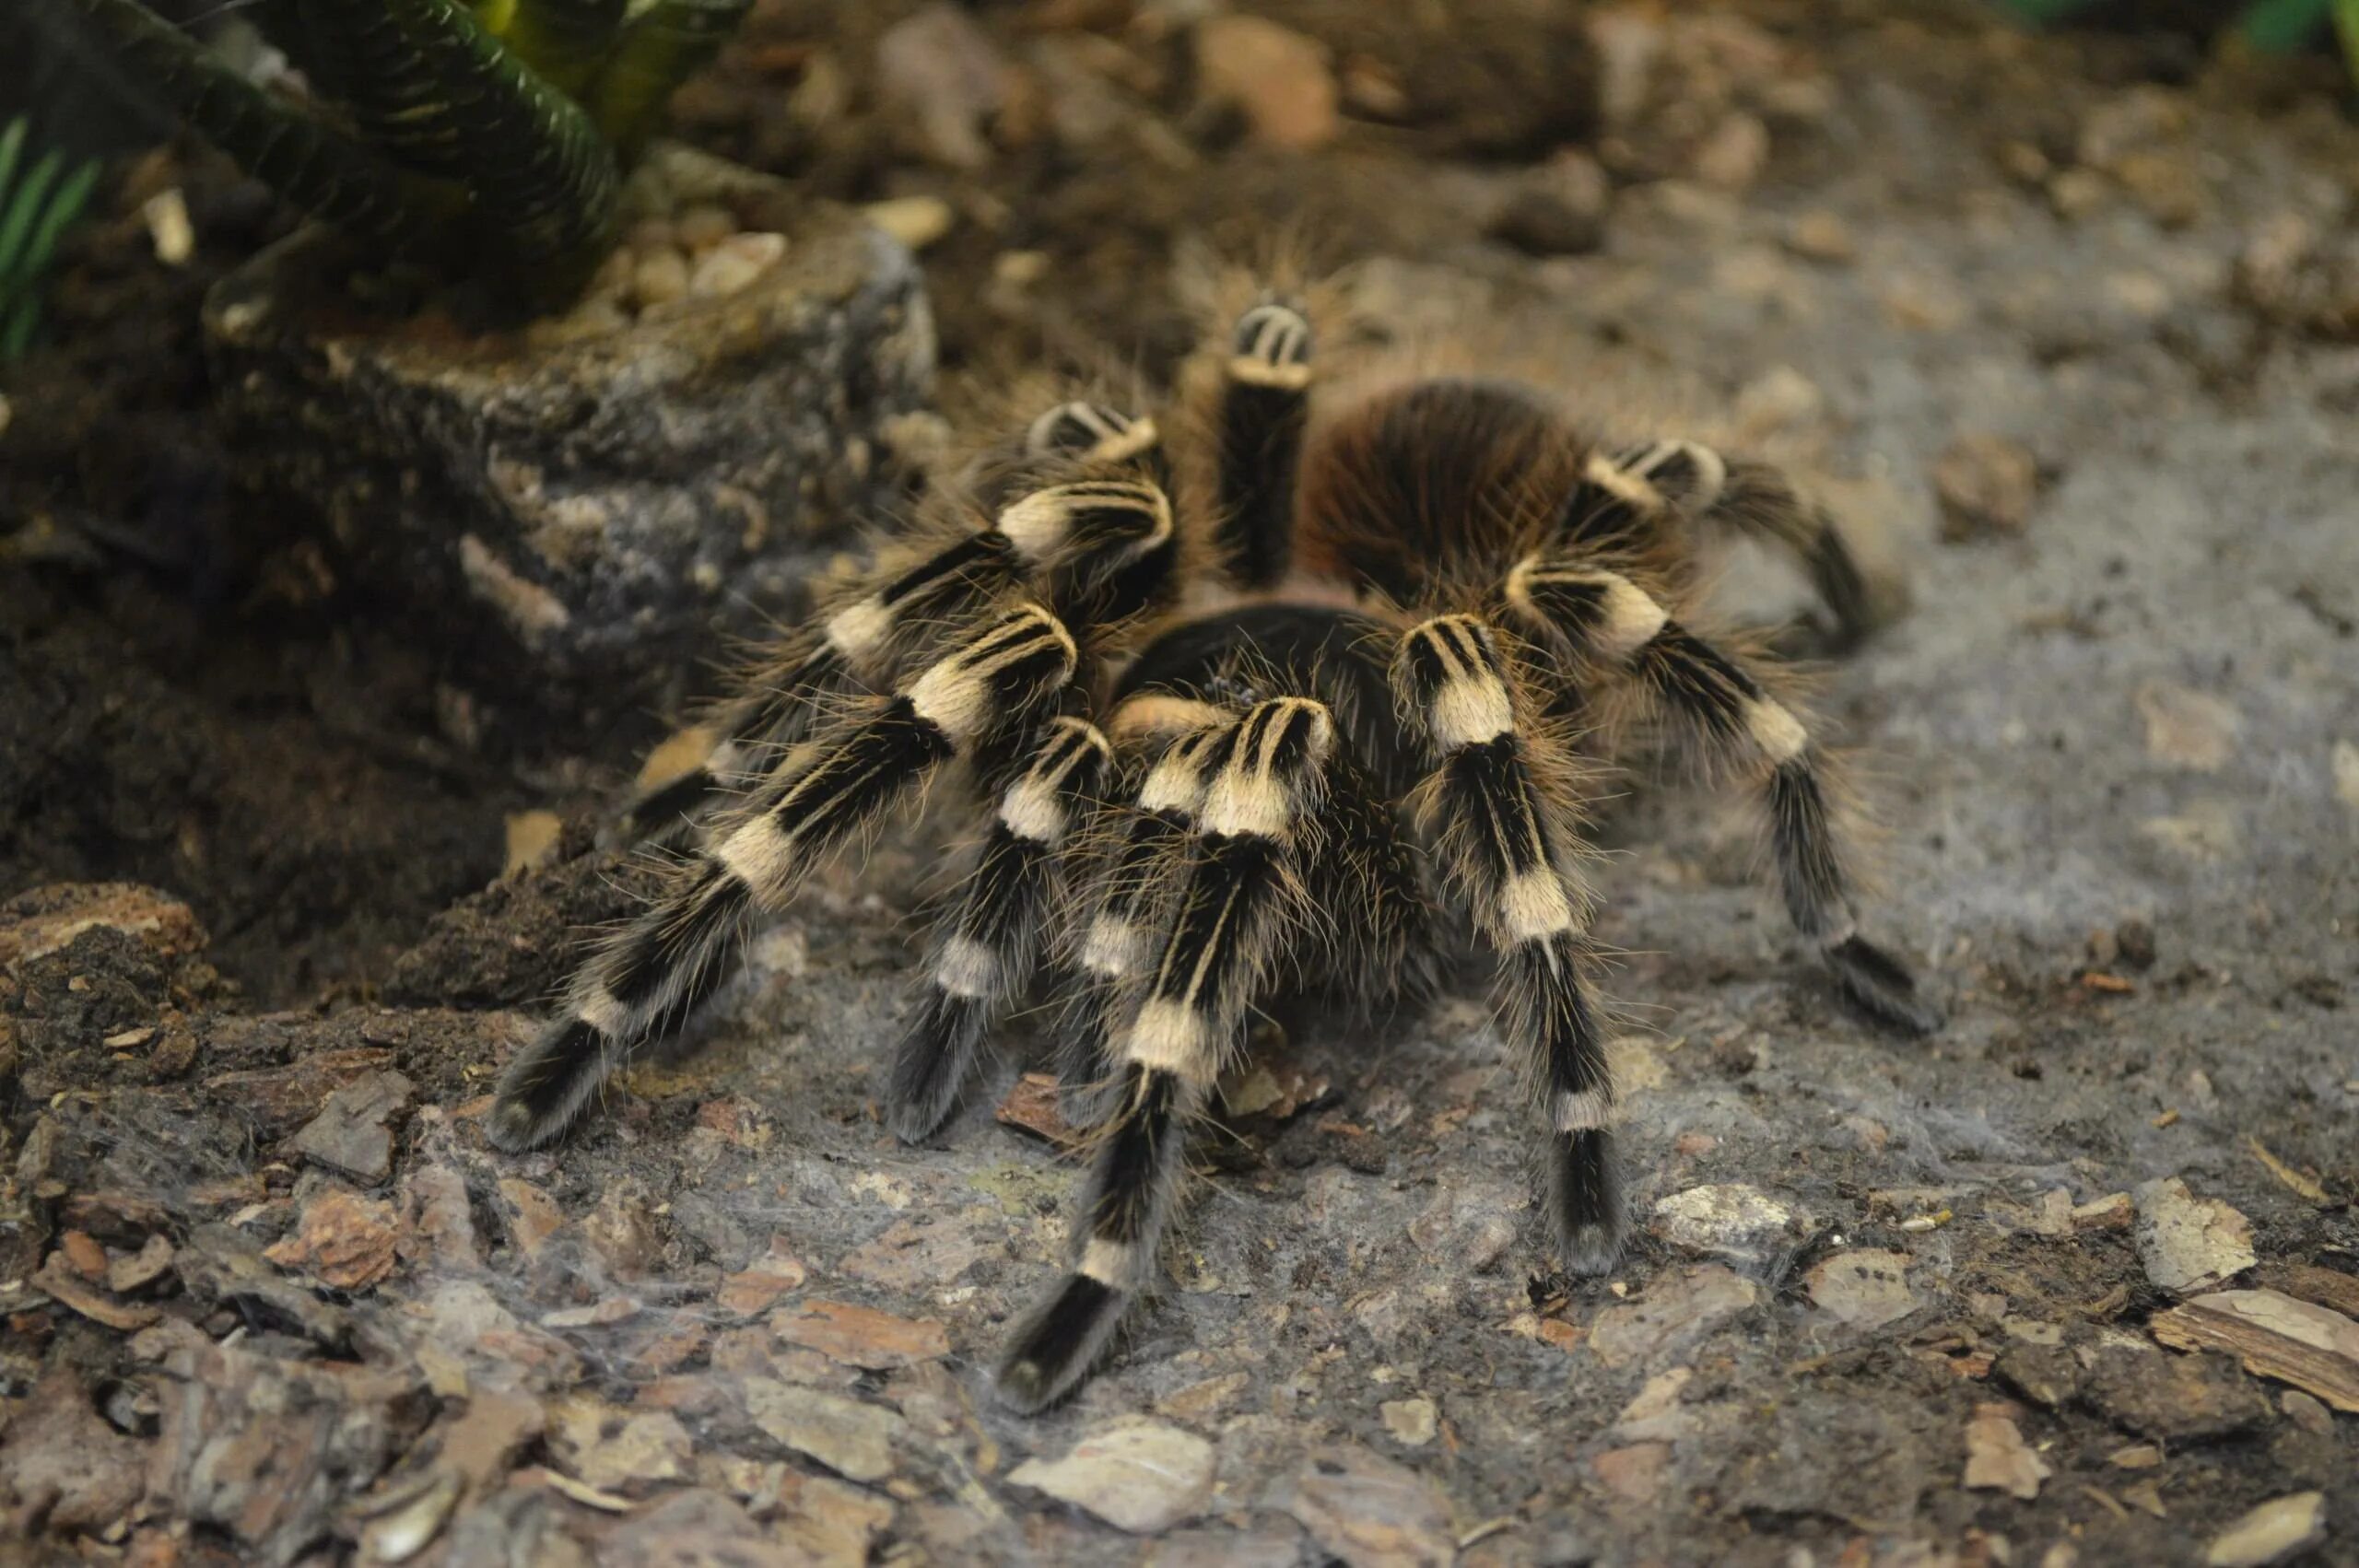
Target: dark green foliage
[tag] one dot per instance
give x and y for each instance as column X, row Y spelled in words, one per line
column 488, row 137
column 37, row 204
column 2272, row 27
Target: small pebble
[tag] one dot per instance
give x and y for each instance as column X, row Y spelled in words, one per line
column 1821, row 236
column 915, row 221
column 702, row 227
column 660, row 278
column 2274, row 1532
column 734, row 264
column 1987, row 485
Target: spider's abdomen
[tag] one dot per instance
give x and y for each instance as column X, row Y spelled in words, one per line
column 1433, row 484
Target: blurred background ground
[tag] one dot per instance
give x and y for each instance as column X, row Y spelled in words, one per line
column 2070, row 323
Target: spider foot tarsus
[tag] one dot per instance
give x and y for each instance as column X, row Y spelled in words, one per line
column 1878, row 986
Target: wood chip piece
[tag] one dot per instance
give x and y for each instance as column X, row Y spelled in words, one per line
column 1140, row 1476
column 2275, row 1336
column 2304, row 1186
column 1997, row 1457
column 342, row 1240
column 854, row 1439
column 1032, row 1105
column 860, row 1336
column 2190, row 1243
column 1367, row 1510
column 57, row 1281
column 757, row 1288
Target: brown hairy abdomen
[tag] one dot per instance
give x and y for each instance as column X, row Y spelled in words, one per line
column 1435, row 484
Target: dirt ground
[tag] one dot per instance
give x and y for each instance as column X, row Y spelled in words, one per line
column 2069, row 329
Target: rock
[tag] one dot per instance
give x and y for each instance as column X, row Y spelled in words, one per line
column 573, row 522
column 1822, row 236
column 1866, row 1288
column 1411, row 1423
column 860, row 1336
column 2187, row 1243
column 659, row 277
column 1279, row 78
column 343, row 1240
column 2296, row 277
column 1986, row 485
column 939, row 73
column 915, row 221
column 2274, row 1532
column 1733, row 155
column 45, row 920
column 854, row 1439
column 1997, row 1458
column 1139, row 1475
column 1370, row 1511
column 1634, row 1474
column 1487, row 79
column 1556, row 209
column 703, row 226
column 2274, row 1335
column 2186, row 728
column 352, row 1134
column 1677, row 1312
column 2306, row 1412
column 1730, row 1220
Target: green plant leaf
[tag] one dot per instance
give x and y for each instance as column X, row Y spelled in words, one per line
column 2281, row 27
column 661, row 47
column 26, row 205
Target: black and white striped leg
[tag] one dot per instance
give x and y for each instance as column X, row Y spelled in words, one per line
column 1504, row 840
column 988, row 940
column 1265, row 406
column 1130, row 881
column 1604, row 620
column 1227, row 935
column 1754, row 499
column 643, row 981
column 1090, row 549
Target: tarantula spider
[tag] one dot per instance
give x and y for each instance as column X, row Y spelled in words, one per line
column 1221, row 744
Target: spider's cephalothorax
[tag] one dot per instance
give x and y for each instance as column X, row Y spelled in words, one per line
column 1226, row 747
